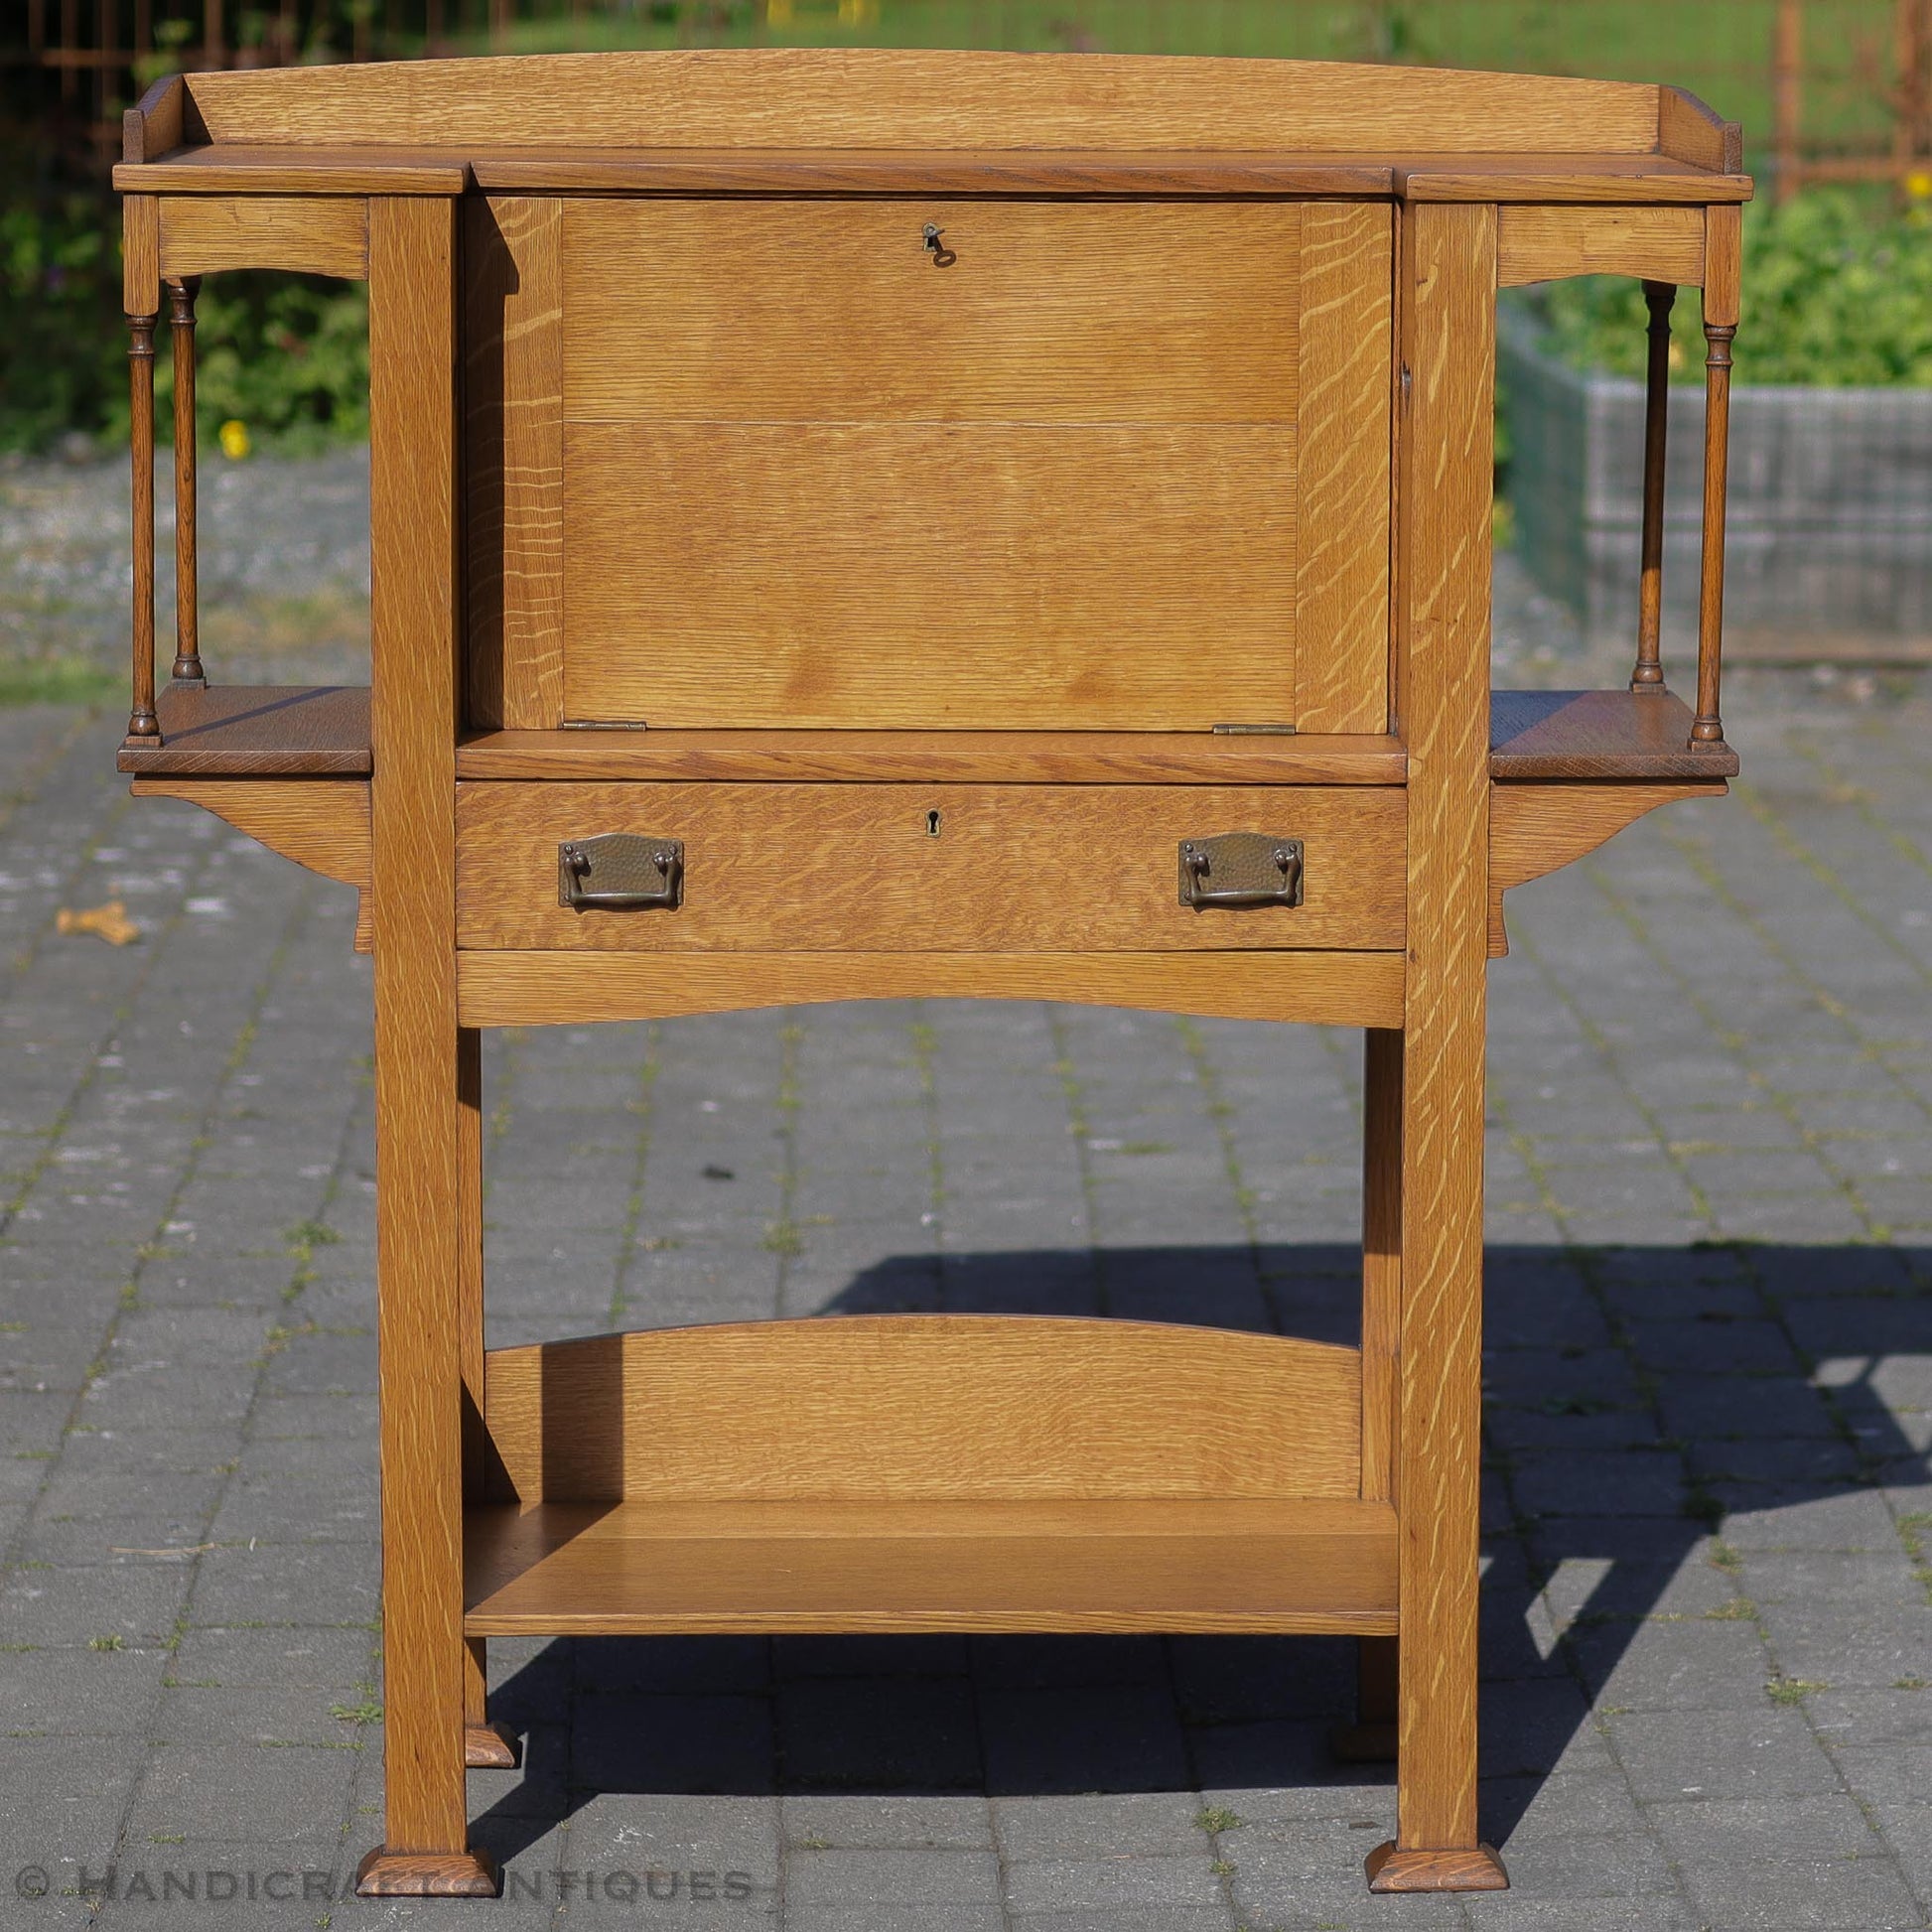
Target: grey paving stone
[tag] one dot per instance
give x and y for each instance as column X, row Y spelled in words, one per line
column 1735, row 1831
column 1697, row 1664
column 1145, row 1882
column 884, row 1876
column 819, row 1820
column 1164, row 1918
column 1856, row 1894
column 800, row 1917
column 268, row 1794
column 1768, row 1753
column 1514, row 1911
column 1071, row 1826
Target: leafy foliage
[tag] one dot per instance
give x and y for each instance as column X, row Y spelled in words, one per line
column 285, row 355
column 1836, row 293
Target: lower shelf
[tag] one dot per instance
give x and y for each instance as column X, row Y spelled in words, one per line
column 655, row 1568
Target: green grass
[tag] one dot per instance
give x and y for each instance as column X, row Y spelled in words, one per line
column 59, row 683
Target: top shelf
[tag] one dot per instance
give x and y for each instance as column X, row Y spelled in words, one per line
column 886, row 121
column 265, row 731
column 1068, row 173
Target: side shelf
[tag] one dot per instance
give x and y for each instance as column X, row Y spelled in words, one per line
column 256, row 730
column 1616, row 734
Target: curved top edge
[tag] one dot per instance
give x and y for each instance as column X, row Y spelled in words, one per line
column 797, row 98
column 890, row 1329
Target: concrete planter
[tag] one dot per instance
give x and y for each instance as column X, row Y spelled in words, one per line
column 1830, row 549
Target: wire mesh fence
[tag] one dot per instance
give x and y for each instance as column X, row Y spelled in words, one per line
column 1822, row 86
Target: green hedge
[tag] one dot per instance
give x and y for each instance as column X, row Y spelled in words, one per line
column 1837, row 292
column 286, row 356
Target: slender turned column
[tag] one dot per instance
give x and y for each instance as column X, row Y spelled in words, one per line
column 142, row 722
column 181, row 316
column 1709, row 728
column 1722, row 266
column 1649, row 672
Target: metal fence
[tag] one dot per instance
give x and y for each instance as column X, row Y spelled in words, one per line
column 1826, row 88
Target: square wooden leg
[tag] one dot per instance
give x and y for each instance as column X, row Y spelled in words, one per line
column 1446, row 280
column 1372, row 1738
column 425, row 1277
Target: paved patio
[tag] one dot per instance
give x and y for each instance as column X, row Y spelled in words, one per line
column 1710, row 1359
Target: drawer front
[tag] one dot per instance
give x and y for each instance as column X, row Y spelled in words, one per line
column 856, row 867
column 1091, row 464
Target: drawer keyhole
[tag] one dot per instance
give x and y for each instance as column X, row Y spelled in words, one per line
column 942, row 256
column 932, row 825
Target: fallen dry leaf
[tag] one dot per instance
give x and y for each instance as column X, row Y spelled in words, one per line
column 109, row 922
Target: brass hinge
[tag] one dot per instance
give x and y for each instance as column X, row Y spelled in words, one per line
column 1253, row 731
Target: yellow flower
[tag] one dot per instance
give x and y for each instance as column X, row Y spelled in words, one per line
column 234, row 440
column 1918, row 185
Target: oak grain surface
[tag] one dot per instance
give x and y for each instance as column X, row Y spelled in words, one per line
column 1634, row 735
column 1342, row 586
column 319, row 823
column 940, row 757
column 1102, row 1565
column 311, row 235
column 960, row 1405
column 953, row 574
column 833, row 310
column 514, row 465
column 891, row 98
column 1449, row 282
column 531, row 988
column 257, row 731
column 1546, row 245
column 419, row 1195
column 860, row 867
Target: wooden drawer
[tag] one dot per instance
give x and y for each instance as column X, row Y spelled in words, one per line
column 845, row 867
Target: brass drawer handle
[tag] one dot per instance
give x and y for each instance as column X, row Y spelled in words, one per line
column 631, row 874
column 1253, row 867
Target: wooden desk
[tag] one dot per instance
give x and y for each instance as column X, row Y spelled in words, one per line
column 857, row 525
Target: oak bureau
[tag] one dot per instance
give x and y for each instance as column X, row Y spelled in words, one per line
column 851, row 525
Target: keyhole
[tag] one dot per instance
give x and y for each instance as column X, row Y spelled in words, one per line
column 932, row 825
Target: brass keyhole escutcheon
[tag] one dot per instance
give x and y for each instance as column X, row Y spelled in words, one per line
column 932, row 824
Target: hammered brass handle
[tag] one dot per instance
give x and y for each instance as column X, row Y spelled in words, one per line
column 644, row 874
column 1259, row 870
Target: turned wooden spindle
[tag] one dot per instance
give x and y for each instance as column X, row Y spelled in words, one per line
column 1709, row 725
column 142, row 723
column 181, row 315
column 1649, row 672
